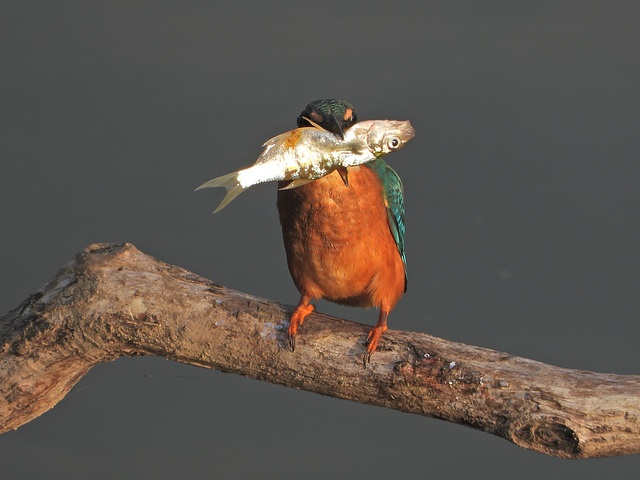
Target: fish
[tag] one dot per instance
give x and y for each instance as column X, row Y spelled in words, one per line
column 308, row 153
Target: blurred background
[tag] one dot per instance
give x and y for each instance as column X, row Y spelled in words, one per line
column 522, row 197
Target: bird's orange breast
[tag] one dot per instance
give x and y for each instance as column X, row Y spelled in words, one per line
column 338, row 241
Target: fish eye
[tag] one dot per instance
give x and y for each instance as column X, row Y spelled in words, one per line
column 393, row 143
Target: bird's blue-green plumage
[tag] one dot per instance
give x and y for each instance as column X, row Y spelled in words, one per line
column 394, row 201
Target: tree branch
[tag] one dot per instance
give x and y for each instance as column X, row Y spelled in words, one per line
column 113, row 300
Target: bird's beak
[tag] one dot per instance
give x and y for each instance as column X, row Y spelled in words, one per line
column 336, row 120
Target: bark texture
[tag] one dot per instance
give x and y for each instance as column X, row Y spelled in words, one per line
column 113, row 300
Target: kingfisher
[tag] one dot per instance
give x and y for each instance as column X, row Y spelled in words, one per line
column 344, row 233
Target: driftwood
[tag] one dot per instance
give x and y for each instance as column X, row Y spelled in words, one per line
column 113, row 300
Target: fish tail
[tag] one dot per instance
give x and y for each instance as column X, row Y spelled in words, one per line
column 230, row 182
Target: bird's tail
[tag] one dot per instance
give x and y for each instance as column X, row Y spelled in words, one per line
column 230, row 182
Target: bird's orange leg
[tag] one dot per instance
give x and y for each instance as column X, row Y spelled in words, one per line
column 374, row 335
column 302, row 310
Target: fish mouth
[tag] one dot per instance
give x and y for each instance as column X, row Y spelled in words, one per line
column 401, row 129
column 407, row 132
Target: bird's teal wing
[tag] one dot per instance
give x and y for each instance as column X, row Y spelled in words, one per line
column 394, row 201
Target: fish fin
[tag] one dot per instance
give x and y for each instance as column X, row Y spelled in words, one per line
column 344, row 174
column 315, row 125
column 296, row 183
column 230, row 182
column 275, row 146
column 277, row 138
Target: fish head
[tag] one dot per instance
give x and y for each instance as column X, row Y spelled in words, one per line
column 386, row 136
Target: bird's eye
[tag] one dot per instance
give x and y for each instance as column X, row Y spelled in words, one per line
column 393, row 143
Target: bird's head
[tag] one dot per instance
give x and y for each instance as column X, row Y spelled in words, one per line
column 333, row 114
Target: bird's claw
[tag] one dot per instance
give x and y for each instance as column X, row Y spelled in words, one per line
column 366, row 359
column 372, row 343
column 302, row 310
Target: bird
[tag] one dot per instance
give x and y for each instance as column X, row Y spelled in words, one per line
column 344, row 234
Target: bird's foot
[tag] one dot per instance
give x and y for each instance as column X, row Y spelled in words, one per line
column 296, row 321
column 372, row 342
